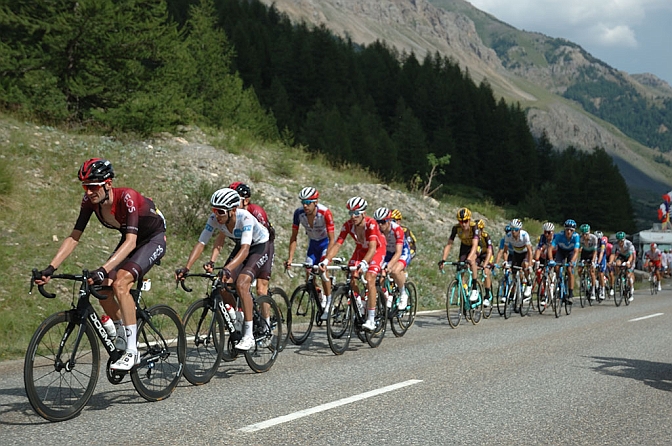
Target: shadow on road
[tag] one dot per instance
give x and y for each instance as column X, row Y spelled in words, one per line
column 654, row 374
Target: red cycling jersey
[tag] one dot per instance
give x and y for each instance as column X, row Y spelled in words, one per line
column 371, row 233
column 260, row 214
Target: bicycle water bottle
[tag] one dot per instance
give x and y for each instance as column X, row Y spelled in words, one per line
column 108, row 325
column 240, row 317
column 360, row 305
column 388, row 298
column 232, row 313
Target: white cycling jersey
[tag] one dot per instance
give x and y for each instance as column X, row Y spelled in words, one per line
column 521, row 244
column 247, row 231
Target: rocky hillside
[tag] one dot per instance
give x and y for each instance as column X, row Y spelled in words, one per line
column 531, row 68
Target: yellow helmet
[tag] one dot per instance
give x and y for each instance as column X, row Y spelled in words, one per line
column 463, row 214
column 395, row 215
column 480, row 224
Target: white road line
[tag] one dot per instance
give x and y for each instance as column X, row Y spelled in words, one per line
column 321, row 408
column 645, row 317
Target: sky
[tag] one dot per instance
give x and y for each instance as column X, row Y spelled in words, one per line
column 634, row 36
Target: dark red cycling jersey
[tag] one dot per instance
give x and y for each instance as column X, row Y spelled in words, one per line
column 136, row 214
column 260, row 214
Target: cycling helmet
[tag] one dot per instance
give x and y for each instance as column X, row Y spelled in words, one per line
column 653, row 246
column 395, row 214
column 309, row 193
column 95, row 170
column 570, row 224
column 620, row 235
column 382, row 214
column 599, row 234
column 463, row 214
column 480, row 224
column 585, row 229
column 507, row 229
column 357, row 204
column 548, row 226
column 225, row 198
column 243, row 189
column 516, row 224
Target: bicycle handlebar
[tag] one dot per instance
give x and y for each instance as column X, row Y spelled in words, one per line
column 84, row 277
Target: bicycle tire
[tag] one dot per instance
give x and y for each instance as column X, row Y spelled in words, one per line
column 375, row 337
column 542, row 295
column 340, row 321
column 618, row 295
column 267, row 336
column 302, row 308
column 652, row 284
column 404, row 318
column 583, row 292
column 558, row 300
column 162, row 349
column 487, row 311
column 282, row 302
column 502, row 291
column 454, row 304
column 206, row 337
column 476, row 312
column 511, row 299
column 628, row 292
column 590, row 292
column 57, row 392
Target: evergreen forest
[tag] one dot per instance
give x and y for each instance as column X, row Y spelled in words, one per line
column 145, row 66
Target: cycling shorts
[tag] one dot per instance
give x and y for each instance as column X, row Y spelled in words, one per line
column 141, row 259
column 374, row 264
column 405, row 258
column 317, row 250
column 255, row 263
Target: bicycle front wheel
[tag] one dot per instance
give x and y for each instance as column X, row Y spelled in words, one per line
column 340, row 321
column 57, row 389
column 267, row 335
column 162, row 347
column 558, row 300
column 583, row 292
column 454, row 304
column 502, row 292
column 302, row 309
column 476, row 308
column 375, row 337
column 511, row 299
column 282, row 302
column 618, row 295
column 206, row 339
column 404, row 317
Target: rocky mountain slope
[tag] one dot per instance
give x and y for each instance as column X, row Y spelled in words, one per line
column 529, row 68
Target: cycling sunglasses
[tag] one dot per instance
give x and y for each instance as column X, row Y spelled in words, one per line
column 219, row 211
column 307, row 202
column 93, row 187
column 355, row 213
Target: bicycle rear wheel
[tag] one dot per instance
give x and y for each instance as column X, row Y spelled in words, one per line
column 454, row 304
column 302, row 309
column 402, row 318
column 282, row 302
column 340, row 321
column 628, row 292
column 267, row 335
column 162, row 347
column 206, row 338
column 375, row 337
column 56, row 389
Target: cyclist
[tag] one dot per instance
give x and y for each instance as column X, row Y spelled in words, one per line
column 652, row 261
column 368, row 255
column 518, row 241
column 500, row 251
column 398, row 253
column 603, row 253
column 484, row 259
column 541, row 251
column 260, row 214
column 142, row 244
column 567, row 244
column 588, row 249
column 468, row 233
column 623, row 252
column 247, row 259
column 318, row 222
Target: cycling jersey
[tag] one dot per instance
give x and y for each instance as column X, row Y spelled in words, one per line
column 591, row 243
column 260, row 214
column 623, row 251
column 653, row 255
column 396, row 237
column 560, row 241
column 484, row 242
column 542, row 246
column 520, row 244
column 135, row 214
column 371, row 233
column 466, row 237
column 323, row 222
column 247, row 231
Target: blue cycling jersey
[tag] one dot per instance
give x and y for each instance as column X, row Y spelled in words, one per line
column 560, row 241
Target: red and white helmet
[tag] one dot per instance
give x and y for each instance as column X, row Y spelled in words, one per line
column 357, row 204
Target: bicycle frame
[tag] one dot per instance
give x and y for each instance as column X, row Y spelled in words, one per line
column 457, row 298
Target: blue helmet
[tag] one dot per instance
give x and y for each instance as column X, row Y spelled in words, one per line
column 570, row 224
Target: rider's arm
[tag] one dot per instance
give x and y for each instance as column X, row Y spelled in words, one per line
column 195, row 254
column 122, row 253
column 68, row 245
column 219, row 244
column 292, row 244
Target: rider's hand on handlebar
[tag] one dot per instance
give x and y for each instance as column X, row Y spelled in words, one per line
column 44, row 275
column 363, row 266
column 97, row 276
column 180, row 273
column 208, row 267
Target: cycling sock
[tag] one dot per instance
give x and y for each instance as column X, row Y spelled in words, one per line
column 248, row 329
column 371, row 312
column 132, row 338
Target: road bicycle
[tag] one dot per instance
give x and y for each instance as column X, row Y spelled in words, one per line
column 505, row 284
column 305, row 305
column 516, row 301
column 561, row 295
column 347, row 313
column 622, row 286
column 545, row 287
column 458, row 303
column 212, row 333
column 401, row 319
column 487, row 311
column 586, row 292
column 653, row 280
column 62, row 362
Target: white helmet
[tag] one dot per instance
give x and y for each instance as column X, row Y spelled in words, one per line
column 516, row 224
column 309, row 193
column 225, row 198
column 548, row 226
column 357, row 204
column 382, row 214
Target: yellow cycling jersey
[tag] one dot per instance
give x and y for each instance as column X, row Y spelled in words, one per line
column 466, row 237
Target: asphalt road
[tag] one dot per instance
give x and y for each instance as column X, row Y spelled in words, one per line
column 601, row 375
